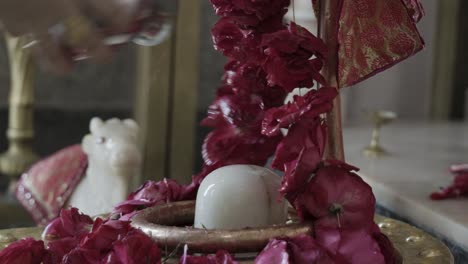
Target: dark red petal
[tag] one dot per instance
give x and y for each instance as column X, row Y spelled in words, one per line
column 304, row 250
column 136, row 247
column 250, row 13
column 59, row 248
column 298, row 250
column 387, row 249
column 236, row 43
column 294, row 58
column 458, row 188
column 275, row 252
column 310, row 106
column 297, row 173
column 82, row 255
column 360, row 247
column 24, row 251
column 153, row 193
column 104, row 234
column 70, row 223
column 308, row 136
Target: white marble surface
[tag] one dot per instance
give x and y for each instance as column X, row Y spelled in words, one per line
column 418, row 165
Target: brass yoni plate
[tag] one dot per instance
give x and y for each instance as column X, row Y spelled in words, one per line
column 414, row 245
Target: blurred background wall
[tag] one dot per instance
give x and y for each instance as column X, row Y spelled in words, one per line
column 65, row 104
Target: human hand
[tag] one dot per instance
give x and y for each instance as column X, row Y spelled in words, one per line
column 58, row 27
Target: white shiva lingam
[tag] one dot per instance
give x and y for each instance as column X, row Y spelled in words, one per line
column 238, row 209
column 240, row 196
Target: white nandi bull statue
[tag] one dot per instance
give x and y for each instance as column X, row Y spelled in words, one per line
column 93, row 176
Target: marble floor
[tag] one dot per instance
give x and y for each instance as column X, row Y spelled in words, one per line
column 420, row 155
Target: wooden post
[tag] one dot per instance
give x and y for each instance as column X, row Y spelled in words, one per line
column 327, row 27
column 185, row 91
column 166, row 97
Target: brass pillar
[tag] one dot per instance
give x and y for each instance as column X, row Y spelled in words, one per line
column 327, row 30
column 20, row 133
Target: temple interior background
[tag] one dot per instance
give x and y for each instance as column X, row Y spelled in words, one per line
column 428, row 89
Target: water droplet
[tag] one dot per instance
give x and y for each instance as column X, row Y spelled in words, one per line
column 430, row 253
column 413, row 239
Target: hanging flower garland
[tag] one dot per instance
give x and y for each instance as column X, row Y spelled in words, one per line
column 267, row 60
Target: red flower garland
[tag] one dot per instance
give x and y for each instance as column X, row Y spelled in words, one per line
column 267, row 60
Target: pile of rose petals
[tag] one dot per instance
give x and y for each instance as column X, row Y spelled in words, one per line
column 459, row 187
column 76, row 238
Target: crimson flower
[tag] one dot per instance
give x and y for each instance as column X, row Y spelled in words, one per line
column 104, row 234
column 243, row 112
column 299, row 250
column 65, row 232
column 250, row 13
column 221, row 257
column 459, row 186
column 134, row 248
column 387, row 249
column 245, row 79
column 82, row 255
column 299, row 154
column 153, row 193
column 235, row 43
column 350, row 246
column 309, row 106
column 59, row 248
column 230, row 145
column 70, row 223
column 337, row 198
column 24, row 251
column 294, row 58
column 297, row 173
column 237, row 138
column 306, row 136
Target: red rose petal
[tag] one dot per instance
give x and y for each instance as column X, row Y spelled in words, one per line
column 136, row 247
column 24, row 251
column 289, row 61
column 299, row 250
column 309, row 106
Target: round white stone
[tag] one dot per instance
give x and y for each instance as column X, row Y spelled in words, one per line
column 240, row 196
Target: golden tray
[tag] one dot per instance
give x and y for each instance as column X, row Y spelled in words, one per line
column 414, row 245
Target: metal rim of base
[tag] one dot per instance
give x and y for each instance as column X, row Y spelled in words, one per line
column 414, row 245
column 170, row 225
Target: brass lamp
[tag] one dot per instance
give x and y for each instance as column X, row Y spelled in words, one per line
column 379, row 119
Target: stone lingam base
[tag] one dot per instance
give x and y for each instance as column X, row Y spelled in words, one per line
column 171, row 225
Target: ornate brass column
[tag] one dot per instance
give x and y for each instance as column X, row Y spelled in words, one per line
column 20, row 133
